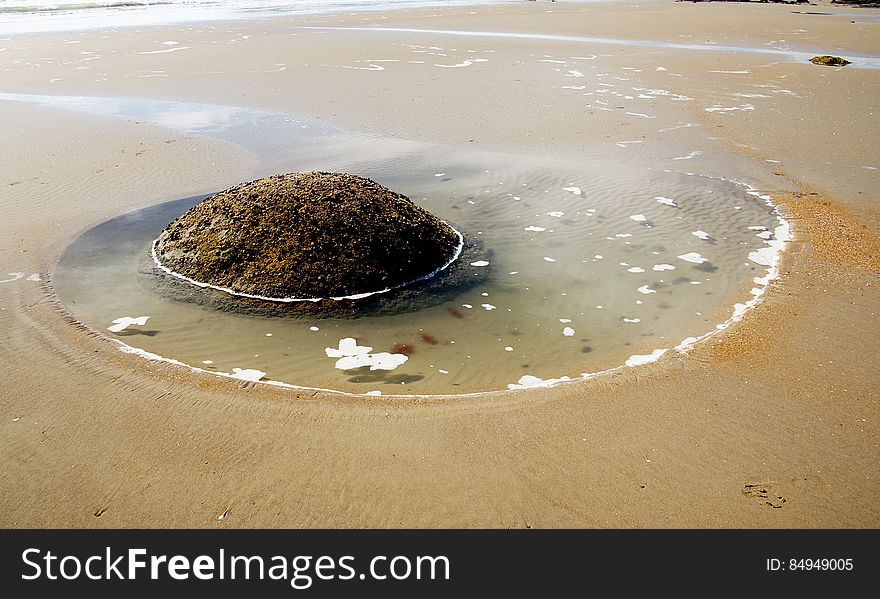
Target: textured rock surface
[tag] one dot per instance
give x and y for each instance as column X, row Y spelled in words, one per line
column 305, row 235
column 831, row 61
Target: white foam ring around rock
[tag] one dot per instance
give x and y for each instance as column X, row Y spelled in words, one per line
column 356, row 296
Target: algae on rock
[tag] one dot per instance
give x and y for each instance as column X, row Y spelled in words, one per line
column 831, row 61
column 307, row 235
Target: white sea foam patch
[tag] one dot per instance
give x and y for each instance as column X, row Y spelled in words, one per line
column 750, row 95
column 347, row 347
column 665, row 93
column 662, row 267
column 464, row 63
column 556, row 214
column 379, row 361
column 123, row 322
column 528, row 381
column 166, row 51
column 666, row 201
column 456, row 253
column 568, row 332
column 641, row 360
column 692, row 257
column 534, row 229
column 247, row 374
column 676, row 127
column 723, row 109
column 351, row 356
column 693, row 154
column 369, row 67
column 635, row 269
column 769, row 256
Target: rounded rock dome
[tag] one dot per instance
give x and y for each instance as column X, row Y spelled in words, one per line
column 306, row 236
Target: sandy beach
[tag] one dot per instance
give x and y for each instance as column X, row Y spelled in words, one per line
column 773, row 423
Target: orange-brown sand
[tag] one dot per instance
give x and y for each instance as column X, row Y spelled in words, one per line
column 772, row 424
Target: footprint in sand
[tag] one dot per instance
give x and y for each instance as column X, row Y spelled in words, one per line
column 764, row 493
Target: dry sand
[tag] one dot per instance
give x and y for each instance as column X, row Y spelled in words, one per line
column 773, row 424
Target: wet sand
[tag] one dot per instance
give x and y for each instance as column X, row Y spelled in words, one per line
column 772, row 424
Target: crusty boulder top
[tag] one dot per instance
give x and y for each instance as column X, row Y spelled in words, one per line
column 306, row 235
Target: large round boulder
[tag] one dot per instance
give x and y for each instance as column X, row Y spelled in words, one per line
column 307, row 235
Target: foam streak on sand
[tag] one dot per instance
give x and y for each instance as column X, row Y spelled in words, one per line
column 13, row 276
column 793, row 55
column 638, row 360
column 769, row 257
column 165, row 51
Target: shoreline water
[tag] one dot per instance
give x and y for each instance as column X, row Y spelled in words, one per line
column 28, row 17
column 784, row 398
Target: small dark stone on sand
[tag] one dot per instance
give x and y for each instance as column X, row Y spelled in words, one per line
column 830, row 61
